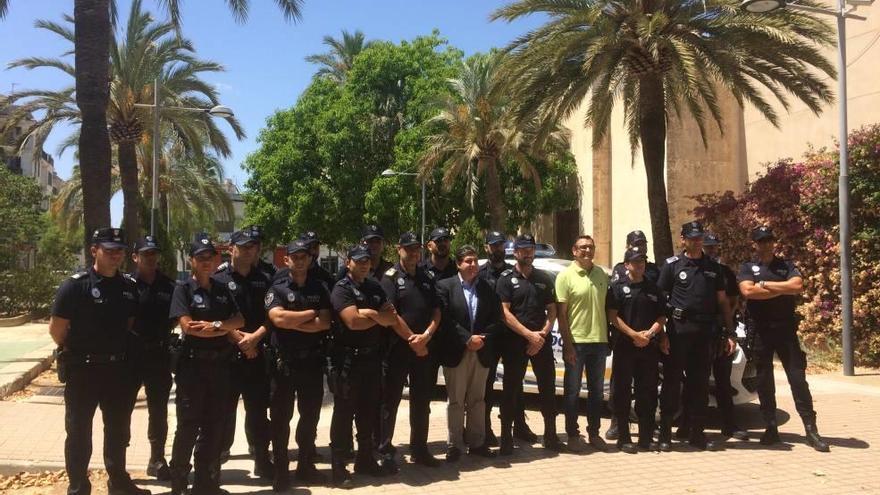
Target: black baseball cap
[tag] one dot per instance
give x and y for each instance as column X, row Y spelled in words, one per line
column 761, row 233
column 256, row 232
column 372, row 232
column 109, row 238
column 358, row 252
column 711, row 239
column 242, row 237
column 692, row 230
column 440, row 233
column 310, row 238
column 201, row 244
column 147, row 243
column 494, row 237
column 634, row 253
column 635, row 236
column 408, row 239
column 524, row 241
column 298, row 246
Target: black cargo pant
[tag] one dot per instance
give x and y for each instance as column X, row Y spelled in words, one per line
column 401, row 362
column 689, row 353
column 780, row 338
column 722, row 366
column 151, row 369
column 638, row 365
column 300, row 383
column 251, row 382
column 544, row 367
column 88, row 387
column 202, row 398
column 355, row 399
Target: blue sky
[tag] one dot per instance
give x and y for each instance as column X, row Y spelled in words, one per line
column 264, row 58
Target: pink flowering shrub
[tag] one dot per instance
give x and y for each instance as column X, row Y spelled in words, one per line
column 799, row 200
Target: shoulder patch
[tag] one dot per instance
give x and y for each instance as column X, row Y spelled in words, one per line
column 223, row 266
column 507, row 272
column 672, row 259
column 78, row 275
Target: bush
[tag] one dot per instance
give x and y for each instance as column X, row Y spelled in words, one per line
column 799, row 200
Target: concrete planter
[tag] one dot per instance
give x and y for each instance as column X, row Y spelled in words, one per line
column 15, row 321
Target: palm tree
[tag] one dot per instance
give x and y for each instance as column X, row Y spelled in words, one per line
column 477, row 135
column 93, row 31
column 148, row 50
column 658, row 59
column 336, row 63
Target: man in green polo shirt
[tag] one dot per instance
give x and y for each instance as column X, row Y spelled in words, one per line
column 581, row 293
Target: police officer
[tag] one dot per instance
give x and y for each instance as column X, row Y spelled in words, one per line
column 410, row 288
column 695, row 286
column 722, row 363
column 638, row 312
column 248, row 285
column 299, row 318
column 373, row 237
column 315, row 270
column 148, row 348
column 770, row 285
column 636, row 238
column 207, row 312
column 528, row 304
column 268, row 268
column 91, row 317
column 439, row 262
column 362, row 310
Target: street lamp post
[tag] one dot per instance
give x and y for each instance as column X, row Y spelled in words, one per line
column 216, row 111
column 391, row 173
column 843, row 12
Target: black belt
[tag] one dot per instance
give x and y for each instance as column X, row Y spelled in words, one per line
column 299, row 354
column 685, row 315
column 208, row 354
column 363, row 351
column 75, row 358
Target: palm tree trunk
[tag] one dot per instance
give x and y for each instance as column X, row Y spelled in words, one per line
column 128, row 177
column 497, row 213
column 652, row 132
column 92, row 59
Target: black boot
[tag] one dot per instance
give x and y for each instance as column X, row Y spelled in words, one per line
column 340, row 477
column 813, row 438
column 158, row 468
column 524, row 433
column 613, row 431
column 122, row 485
column 307, row 473
column 664, row 439
column 364, row 463
column 551, row 439
column 771, row 435
column 263, row 467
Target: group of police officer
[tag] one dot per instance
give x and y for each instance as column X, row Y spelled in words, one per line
column 271, row 337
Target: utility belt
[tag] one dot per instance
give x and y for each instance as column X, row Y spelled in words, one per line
column 66, row 359
column 687, row 322
column 240, row 357
column 339, row 377
column 287, row 361
column 205, row 354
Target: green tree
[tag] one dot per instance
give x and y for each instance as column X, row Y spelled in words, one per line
column 659, row 59
column 146, row 51
column 336, row 63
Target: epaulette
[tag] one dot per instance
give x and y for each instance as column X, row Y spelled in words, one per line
column 223, row 266
column 391, row 272
column 343, row 281
column 506, row 272
column 78, row 275
column 129, row 277
column 671, row 259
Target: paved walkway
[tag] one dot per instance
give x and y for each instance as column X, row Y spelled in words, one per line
column 25, row 352
column 32, row 437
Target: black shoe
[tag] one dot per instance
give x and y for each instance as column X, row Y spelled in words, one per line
column 224, row 456
column 491, row 439
column 158, row 468
column 389, row 465
column 702, row 443
column 341, row 478
column 368, row 466
column 664, row 438
column 263, row 468
column 649, row 446
column 424, row 458
column 814, row 440
column 482, row 451
column 125, row 486
column 735, row 432
column 612, row 433
column 627, row 447
column 505, row 445
column 551, row 442
column 770, row 436
column 683, row 433
column 597, row 443
column 524, row 433
column 281, row 482
column 307, row 473
column 453, row 454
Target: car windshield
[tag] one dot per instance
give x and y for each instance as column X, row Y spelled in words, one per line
column 541, row 250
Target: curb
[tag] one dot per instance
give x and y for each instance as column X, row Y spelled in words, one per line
column 11, row 468
column 28, row 367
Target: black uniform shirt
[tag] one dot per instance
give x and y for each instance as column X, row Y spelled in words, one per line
column 780, row 308
column 652, row 272
column 368, row 294
column 266, row 267
column 528, row 297
column 249, row 293
column 490, row 274
column 212, row 304
column 316, row 272
column 638, row 304
column 152, row 323
column 99, row 309
column 692, row 285
column 450, row 271
column 414, row 296
column 291, row 297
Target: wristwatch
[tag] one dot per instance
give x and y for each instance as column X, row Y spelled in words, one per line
column 217, row 324
column 762, row 283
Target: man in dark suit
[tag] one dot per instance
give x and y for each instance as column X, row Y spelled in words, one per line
column 471, row 314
